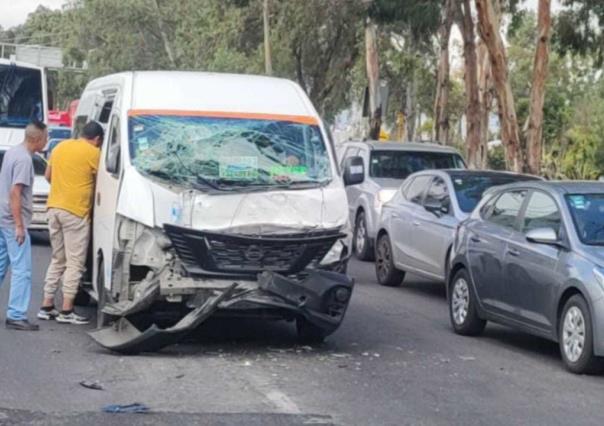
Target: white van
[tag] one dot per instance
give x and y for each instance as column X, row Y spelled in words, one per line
column 215, row 192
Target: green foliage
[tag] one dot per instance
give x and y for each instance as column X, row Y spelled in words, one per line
column 580, row 28
column 496, row 158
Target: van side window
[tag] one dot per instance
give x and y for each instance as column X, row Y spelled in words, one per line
column 112, row 153
column 105, row 112
column 79, row 124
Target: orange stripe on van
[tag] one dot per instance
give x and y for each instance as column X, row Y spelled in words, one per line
column 301, row 119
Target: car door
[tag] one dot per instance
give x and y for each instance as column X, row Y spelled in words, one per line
column 402, row 220
column 487, row 242
column 432, row 232
column 531, row 273
column 106, row 194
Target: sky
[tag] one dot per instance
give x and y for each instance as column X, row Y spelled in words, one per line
column 14, row 12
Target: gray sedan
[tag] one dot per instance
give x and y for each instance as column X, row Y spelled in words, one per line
column 417, row 227
column 531, row 256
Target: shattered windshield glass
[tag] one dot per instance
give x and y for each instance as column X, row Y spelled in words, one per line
column 20, row 96
column 228, row 153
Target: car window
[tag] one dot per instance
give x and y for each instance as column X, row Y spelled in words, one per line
column 438, row 192
column 416, row 189
column 541, row 212
column 506, row 208
column 398, row 164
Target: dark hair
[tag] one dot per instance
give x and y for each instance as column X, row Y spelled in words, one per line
column 38, row 125
column 92, row 129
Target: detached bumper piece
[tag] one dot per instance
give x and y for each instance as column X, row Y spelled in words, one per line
column 124, row 337
column 322, row 298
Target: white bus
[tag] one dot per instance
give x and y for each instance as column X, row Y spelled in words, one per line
column 23, row 98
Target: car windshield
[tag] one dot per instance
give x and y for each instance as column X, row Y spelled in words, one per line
column 588, row 215
column 229, row 153
column 39, row 164
column 400, row 164
column 20, row 96
column 469, row 189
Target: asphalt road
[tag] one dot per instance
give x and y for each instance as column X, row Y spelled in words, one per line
column 394, row 361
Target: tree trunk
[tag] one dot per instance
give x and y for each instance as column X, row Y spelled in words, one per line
column 373, row 78
column 510, row 134
column 466, row 24
column 164, row 36
column 268, row 57
column 443, row 83
column 485, row 95
column 410, row 107
column 534, row 124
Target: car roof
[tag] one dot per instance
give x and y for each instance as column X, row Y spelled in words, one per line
column 561, row 186
column 493, row 173
column 402, row 146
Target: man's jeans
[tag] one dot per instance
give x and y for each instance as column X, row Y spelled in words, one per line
column 19, row 258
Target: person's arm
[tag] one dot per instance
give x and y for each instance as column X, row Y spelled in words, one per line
column 15, row 207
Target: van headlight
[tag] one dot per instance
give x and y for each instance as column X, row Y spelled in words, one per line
column 383, row 196
column 340, row 250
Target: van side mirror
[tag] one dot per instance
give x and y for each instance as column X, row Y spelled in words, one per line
column 113, row 159
column 543, row 236
column 354, row 171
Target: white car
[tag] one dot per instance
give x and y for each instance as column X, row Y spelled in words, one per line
column 41, row 189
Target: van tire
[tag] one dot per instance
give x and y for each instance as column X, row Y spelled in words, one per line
column 309, row 333
column 102, row 319
column 385, row 270
column 363, row 249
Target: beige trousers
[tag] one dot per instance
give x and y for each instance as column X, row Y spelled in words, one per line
column 69, row 237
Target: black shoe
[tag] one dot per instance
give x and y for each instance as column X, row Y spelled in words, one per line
column 22, row 325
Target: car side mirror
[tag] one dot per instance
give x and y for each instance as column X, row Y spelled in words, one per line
column 354, row 171
column 437, row 207
column 543, row 236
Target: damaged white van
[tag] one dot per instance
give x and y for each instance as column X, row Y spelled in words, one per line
column 215, row 193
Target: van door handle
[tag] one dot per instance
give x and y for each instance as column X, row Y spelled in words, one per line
column 513, row 252
column 474, row 239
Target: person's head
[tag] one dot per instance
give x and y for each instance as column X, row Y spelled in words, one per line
column 93, row 132
column 36, row 136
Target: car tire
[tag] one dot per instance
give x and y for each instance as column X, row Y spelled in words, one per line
column 385, row 270
column 362, row 243
column 462, row 306
column 309, row 333
column 575, row 337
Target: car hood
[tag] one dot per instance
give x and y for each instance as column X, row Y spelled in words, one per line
column 152, row 204
column 387, row 183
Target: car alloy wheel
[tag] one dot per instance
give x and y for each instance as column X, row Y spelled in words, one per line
column 460, row 301
column 383, row 259
column 573, row 334
column 361, row 235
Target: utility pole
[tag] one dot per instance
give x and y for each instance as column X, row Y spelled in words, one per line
column 268, row 60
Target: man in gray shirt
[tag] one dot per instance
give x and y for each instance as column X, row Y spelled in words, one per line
column 16, row 181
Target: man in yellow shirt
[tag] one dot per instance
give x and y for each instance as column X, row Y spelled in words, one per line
column 71, row 172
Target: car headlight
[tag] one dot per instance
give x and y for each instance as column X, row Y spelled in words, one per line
column 383, row 196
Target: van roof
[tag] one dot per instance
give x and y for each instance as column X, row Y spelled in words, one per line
column 212, row 92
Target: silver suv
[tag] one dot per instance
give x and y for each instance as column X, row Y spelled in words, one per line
column 387, row 165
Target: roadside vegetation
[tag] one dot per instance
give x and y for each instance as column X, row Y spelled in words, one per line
column 464, row 72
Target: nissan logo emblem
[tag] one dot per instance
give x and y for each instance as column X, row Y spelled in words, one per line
column 254, row 253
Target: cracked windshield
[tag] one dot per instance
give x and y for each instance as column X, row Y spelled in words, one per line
column 228, row 153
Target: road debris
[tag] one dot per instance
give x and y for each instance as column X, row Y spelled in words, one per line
column 94, row 385
column 137, row 408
